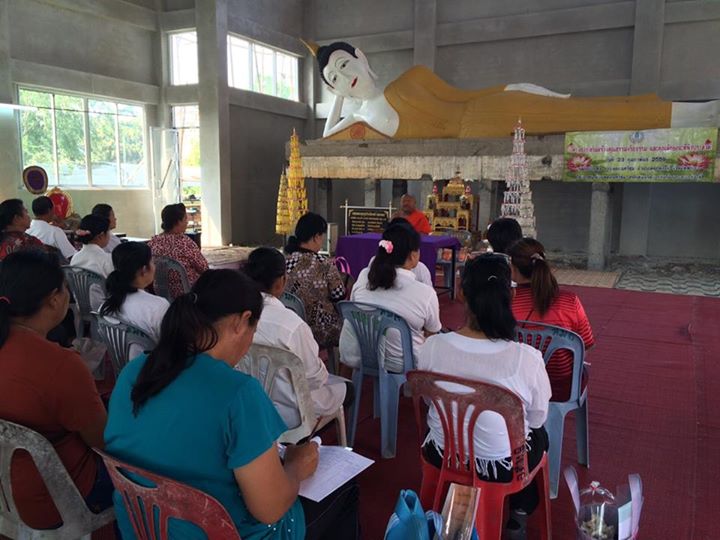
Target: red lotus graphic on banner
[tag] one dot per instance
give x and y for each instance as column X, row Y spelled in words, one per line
column 579, row 163
column 694, row 161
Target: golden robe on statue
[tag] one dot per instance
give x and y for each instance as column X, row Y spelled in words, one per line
column 429, row 108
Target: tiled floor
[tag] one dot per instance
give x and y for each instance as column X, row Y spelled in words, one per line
column 681, row 282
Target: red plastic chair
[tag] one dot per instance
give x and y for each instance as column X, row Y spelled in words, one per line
column 457, row 458
column 172, row 499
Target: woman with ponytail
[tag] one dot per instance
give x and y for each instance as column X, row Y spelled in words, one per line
column 14, row 221
column 47, row 388
column 182, row 411
column 390, row 283
column 127, row 299
column 315, row 279
column 540, row 299
column 484, row 350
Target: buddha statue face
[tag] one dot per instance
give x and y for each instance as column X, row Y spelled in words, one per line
column 347, row 73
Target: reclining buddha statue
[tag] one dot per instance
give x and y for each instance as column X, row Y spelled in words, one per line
column 420, row 105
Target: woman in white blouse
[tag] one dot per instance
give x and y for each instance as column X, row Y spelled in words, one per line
column 390, row 283
column 127, row 299
column 106, row 211
column 93, row 234
column 484, row 350
column 282, row 328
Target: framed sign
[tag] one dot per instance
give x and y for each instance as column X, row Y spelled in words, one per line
column 364, row 219
column 35, row 179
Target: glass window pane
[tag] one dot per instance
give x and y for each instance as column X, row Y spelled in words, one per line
column 263, row 70
column 133, row 168
column 239, row 63
column 183, row 58
column 36, row 132
column 103, row 143
column 186, row 116
column 287, row 76
column 70, row 129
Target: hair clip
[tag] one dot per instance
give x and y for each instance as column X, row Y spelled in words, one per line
column 537, row 256
column 387, row 245
column 5, row 299
column 81, row 232
column 492, row 278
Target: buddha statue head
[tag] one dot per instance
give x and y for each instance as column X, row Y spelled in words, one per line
column 345, row 70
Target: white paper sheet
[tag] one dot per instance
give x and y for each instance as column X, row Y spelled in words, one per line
column 336, row 466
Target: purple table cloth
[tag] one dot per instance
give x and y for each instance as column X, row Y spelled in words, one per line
column 358, row 249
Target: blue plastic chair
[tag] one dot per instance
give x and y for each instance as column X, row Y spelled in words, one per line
column 293, row 303
column 163, row 267
column 548, row 339
column 370, row 324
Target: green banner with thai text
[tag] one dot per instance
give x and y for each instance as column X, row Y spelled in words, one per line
column 656, row 155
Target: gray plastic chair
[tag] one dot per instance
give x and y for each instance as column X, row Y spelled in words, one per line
column 78, row 520
column 80, row 281
column 549, row 339
column 294, row 303
column 163, row 267
column 264, row 364
column 119, row 339
column 370, row 324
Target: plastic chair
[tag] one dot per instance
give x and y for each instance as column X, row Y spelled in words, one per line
column 168, row 499
column 77, row 520
column 163, row 267
column 370, row 324
column 80, row 281
column 119, row 339
column 293, row 303
column 459, row 451
column 264, row 364
column 549, row 339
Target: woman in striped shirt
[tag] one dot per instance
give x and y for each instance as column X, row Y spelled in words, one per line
column 538, row 298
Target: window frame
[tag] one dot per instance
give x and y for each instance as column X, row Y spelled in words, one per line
column 171, row 56
column 251, row 67
column 53, row 92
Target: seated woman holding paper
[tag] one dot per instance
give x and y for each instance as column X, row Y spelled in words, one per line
column 183, row 412
column 281, row 327
column 389, row 282
column 484, row 350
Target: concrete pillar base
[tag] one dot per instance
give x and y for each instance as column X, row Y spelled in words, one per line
column 600, row 225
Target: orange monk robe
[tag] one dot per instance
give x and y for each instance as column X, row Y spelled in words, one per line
column 419, row 222
column 429, row 108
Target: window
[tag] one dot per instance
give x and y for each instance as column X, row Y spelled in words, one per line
column 186, row 120
column 252, row 66
column 183, row 58
column 83, row 141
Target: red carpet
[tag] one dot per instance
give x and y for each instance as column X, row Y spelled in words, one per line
column 654, row 410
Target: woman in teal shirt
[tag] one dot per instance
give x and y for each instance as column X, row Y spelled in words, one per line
column 183, row 412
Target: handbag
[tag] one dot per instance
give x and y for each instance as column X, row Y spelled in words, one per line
column 408, row 521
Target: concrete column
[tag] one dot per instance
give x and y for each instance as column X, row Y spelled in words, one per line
column 399, row 188
column 371, row 189
column 211, row 21
column 647, row 46
column 600, row 224
column 635, row 222
column 10, row 165
column 485, row 195
column 324, row 198
column 420, row 189
column 425, row 25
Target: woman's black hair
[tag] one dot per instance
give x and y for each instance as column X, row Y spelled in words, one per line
column 42, row 206
column 91, row 226
column 307, row 226
column 528, row 256
column 486, row 286
column 9, row 210
column 503, row 233
column 324, row 52
column 265, row 265
column 128, row 259
column 27, row 278
column 171, row 215
column 187, row 328
column 102, row 210
column 383, row 269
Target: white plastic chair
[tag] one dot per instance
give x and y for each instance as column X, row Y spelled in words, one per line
column 81, row 282
column 78, row 520
column 263, row 363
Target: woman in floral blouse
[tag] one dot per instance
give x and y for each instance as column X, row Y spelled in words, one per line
column 175, row 244
column 315, row 279
column 14, row 221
